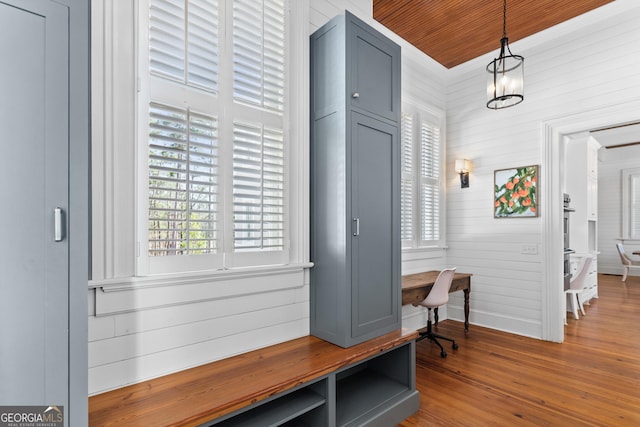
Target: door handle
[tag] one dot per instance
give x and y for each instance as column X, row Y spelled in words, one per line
column 58, row 228
column 357, row 221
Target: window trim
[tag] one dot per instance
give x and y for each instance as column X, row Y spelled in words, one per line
column 294, row 123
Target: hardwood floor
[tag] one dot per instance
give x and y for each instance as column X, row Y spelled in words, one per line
column 500, row 379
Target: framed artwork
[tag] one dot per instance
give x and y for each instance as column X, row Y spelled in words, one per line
column 516, row 192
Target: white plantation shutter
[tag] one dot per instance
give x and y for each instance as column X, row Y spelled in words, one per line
column 183, row 41
column 182, row 182
column 258, row 53
column 429, row 150
column 406, row 180
column 258, row 147
column 420, row 181
column 216, row 148
column 258, row 188
column 430, row 213
column 202, row 44
column 429, row 182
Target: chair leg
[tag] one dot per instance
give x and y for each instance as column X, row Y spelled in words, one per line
column 442, row 337
column 624, row 276
column 574, row 308
column 580, row 304
column 432, row 338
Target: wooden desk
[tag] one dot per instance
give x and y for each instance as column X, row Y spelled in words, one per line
column 416, row 287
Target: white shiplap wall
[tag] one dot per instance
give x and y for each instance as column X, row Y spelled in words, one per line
column 140, row 328
column 573, row 72
column 610, row 166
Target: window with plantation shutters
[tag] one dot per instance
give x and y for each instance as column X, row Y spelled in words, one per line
column 631, row 203
column 421, row 181
column 215, row 111
column 429, row 182
column 406, row 180
column 635, row 207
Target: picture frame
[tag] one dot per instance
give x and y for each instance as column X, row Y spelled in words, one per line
column 516, row 192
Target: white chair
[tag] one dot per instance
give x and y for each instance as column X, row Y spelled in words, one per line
column 438, row 296
column 577, row 285
column 627, row 262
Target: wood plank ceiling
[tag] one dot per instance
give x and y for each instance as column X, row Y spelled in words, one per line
column 455, row 31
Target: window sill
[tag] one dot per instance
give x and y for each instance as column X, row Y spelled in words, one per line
column 425, row 252
column 175, row 279
column 630, row 240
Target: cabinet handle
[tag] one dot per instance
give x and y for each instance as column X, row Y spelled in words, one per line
column 58, row 233
column 357, row 221
column 355, row 95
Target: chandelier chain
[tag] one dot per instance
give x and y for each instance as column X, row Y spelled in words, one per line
column 504, row 19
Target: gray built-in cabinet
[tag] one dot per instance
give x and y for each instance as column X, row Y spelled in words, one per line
column 355, row 182
column 44, row 223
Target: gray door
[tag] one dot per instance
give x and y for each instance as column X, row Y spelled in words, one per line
column 34, row 274
column 375, row 250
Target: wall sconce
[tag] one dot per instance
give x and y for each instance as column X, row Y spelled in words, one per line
column 462, row 167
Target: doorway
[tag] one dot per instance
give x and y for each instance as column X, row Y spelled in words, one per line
column 554, row 133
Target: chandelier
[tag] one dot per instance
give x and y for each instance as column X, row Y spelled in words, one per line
column 505, row 87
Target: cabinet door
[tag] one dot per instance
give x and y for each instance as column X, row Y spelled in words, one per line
column 34, row 258
column 373, row 67
column 375, row 227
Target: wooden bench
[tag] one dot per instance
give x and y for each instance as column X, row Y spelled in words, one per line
column 299, row 379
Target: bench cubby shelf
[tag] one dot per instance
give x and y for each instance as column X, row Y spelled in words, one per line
column 302, row 382
column 378, row 391
column 305, row 406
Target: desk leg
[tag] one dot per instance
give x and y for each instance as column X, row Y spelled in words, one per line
column 466, row 309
